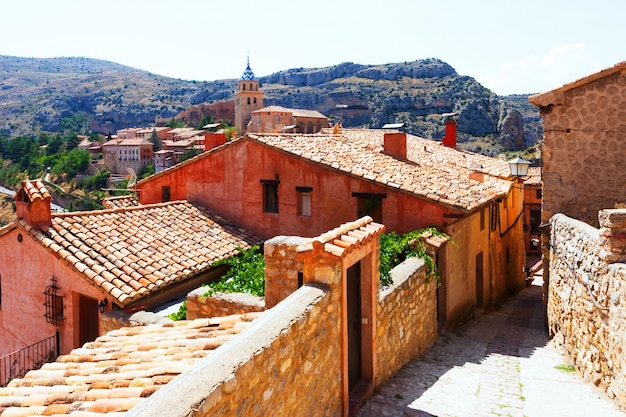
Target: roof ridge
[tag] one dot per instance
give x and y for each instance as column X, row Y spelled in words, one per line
column 117, row 209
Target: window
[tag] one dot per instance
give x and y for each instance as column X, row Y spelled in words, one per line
column 255, row 100
column 539, row 193
column 304, row 201
column 248, row 100
column 535, row 219
column 165, row 194
column 53, row 304
column 370, row 204
column 482, row 219
column 495, row 217
column 244, row 87
column 270, row 195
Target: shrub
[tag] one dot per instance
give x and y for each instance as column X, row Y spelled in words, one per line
column 395, row 249
column 246, row 273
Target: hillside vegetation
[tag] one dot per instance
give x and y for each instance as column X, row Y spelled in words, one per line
column 86, row 95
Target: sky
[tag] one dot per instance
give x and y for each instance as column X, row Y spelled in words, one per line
column 521, row 47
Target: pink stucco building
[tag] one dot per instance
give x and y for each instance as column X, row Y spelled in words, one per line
column 84, row 263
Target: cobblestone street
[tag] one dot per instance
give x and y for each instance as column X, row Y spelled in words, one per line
column 501, row 364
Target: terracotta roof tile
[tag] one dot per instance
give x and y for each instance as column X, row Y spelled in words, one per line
column 431, row 170
column 129, row 261
column 533, row 177
column 119, row 370
column 36, row 190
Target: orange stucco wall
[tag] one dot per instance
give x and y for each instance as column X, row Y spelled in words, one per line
column 26, row 269
column 228, row 181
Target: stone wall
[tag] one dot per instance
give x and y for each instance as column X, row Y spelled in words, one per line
column 586, row 305
column 116, row 319
column 288, row 362
column 221, row 305
column 407, row 318
column 584, row 124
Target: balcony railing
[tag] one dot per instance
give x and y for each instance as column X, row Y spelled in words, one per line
column 17, row 364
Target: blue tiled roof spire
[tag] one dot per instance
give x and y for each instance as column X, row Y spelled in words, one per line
column 248, row 74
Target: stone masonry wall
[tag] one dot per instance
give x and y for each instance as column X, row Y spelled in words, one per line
column 298, row 373
column 288, row 362
column 221, row 305
column 582, row 158
column 407, row 318
column 587, row 297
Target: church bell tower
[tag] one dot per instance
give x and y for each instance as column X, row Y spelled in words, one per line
column 248, row 98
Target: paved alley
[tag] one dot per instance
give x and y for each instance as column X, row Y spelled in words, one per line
column 501, row 364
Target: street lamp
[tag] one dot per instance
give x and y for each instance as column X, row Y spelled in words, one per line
column 341, row 107
column 519, row 167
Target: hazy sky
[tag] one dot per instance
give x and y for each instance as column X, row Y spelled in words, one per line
column 525, row 46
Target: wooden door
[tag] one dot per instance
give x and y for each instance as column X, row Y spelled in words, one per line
column 354, row 325
column 88, row 319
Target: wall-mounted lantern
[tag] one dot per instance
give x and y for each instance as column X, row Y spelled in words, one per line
column 519, row 167
column 102, row 305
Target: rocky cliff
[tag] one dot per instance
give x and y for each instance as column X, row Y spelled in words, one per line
column 90, row 95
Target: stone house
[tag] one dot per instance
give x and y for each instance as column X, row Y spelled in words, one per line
column 275, row 119
column 82, row 264
column 584, row 123
column 318, row 352
column 293, row 184
column 584, row 255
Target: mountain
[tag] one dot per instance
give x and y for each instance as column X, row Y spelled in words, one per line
column 82, row 94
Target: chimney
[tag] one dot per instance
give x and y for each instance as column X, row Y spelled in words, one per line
column 450, row 138
column 213, row 140
column 32, row 204
column 395, row 142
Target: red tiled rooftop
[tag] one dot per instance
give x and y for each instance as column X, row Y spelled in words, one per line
column 123, row 201
column 533, row 177
column 119, row 370
column 132, row 252
column 431, row 170
column 348, row 236
column 36, row 190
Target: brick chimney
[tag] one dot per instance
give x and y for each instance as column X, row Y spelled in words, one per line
column 213, row 140
column 450, row 138
column 32, row 204
column 395, row 144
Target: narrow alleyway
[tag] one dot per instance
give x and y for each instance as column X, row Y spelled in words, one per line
column 501, row 364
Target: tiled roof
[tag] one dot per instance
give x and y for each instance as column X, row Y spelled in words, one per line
column 431, row 171
column 347, row 237
column 533, row 177
column 127, row 142
column 35, row 190
column 133, row 252
column 555, row 96
column 123, row 201
column 119, row 370
column 294, row 112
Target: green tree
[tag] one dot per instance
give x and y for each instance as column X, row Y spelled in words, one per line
column 72, row 142
column 188, row 154
column 54, row 145
column 146, row 171
column 156, row 141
